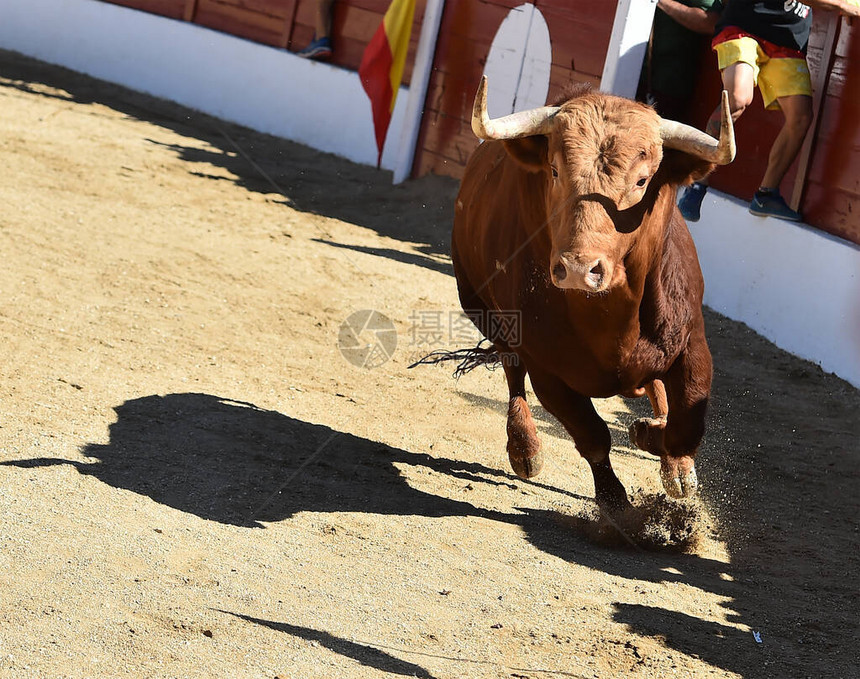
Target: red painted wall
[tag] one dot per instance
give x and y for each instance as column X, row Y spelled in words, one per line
column 831, row 199
column 579, row 31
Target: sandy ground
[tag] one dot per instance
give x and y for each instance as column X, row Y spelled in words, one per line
column 195, row 482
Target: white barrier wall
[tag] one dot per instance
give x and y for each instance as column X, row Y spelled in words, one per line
column 264, row 88
column 795, row 285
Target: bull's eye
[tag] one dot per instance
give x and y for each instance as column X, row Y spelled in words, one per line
column 554, row 171
column 642, row 181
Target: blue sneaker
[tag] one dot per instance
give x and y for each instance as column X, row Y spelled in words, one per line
column 691, row 202
column 772, row 205
column 319, row 48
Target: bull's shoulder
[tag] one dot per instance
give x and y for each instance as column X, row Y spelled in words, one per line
column 671, row 305
column 680, row 274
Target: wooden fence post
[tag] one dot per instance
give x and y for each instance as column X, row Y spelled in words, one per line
column 287, row 32
column 190, row 9
column 819, row 93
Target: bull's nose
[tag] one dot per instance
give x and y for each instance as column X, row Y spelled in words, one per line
column 596, row 271
column 581, row 272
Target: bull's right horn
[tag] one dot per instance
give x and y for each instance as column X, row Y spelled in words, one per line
column 695, row 142
column 514, row 126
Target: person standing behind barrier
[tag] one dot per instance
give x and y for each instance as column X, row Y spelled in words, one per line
column 320, row 47
column 672, row 61
column 763, row 42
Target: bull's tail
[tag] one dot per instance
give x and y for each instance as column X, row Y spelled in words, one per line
column 468, row 359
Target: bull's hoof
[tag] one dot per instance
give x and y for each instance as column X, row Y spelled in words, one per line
column 523, row 442
column 646, row 433
column 526, row 467
column 613, row 502
column 609, row 493
column 678, row 475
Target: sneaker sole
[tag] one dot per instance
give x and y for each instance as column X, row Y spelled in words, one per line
column 786, row 218
column 319, row 54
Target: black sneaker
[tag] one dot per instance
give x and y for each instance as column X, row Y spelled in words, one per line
column 772, row 205
column 691, row 202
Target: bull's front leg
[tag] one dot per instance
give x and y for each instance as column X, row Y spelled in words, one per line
column 523, row 443
column 688, row 388
column 590, row 435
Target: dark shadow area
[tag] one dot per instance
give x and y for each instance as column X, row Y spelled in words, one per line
column 779, row 469
column 367, row 655
column 556, row 534
column 416, row 259
column 310, row 181
column 698, row 637
column 373, row 655
column 237, row 464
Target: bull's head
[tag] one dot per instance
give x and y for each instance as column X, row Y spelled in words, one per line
column 599, row 155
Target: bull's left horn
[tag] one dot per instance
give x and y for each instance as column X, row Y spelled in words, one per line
column 695, row 142
column 514, row 126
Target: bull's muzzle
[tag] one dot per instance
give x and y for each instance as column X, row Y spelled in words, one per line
column 587, row 272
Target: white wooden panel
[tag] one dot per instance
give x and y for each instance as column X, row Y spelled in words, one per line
column 518, row 65
column 627, row 46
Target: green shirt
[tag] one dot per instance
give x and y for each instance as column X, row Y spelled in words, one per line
column 675, row 52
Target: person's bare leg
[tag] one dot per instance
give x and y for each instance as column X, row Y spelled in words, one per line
column 739, row 82
column 323, row 20
column 798, row 117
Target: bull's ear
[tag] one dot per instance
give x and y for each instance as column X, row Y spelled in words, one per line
column 530, row 152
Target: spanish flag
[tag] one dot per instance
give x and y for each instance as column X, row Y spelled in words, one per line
column 382, row 65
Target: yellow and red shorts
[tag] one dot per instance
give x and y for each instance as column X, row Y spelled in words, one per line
column 778, row 71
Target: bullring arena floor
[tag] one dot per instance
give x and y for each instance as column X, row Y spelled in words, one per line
column 196, row 482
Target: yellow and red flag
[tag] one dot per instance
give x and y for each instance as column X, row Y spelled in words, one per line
column 382, row 65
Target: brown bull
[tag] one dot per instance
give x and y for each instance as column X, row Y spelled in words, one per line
column 566, row 219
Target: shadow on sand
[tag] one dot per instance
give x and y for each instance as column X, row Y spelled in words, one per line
column 789, row 518
column 418, row 211
column 238, row 464
column 366, row 654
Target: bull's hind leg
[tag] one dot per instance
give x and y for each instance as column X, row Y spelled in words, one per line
column 523, row 442
column 590, row 435
column 646, row 433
